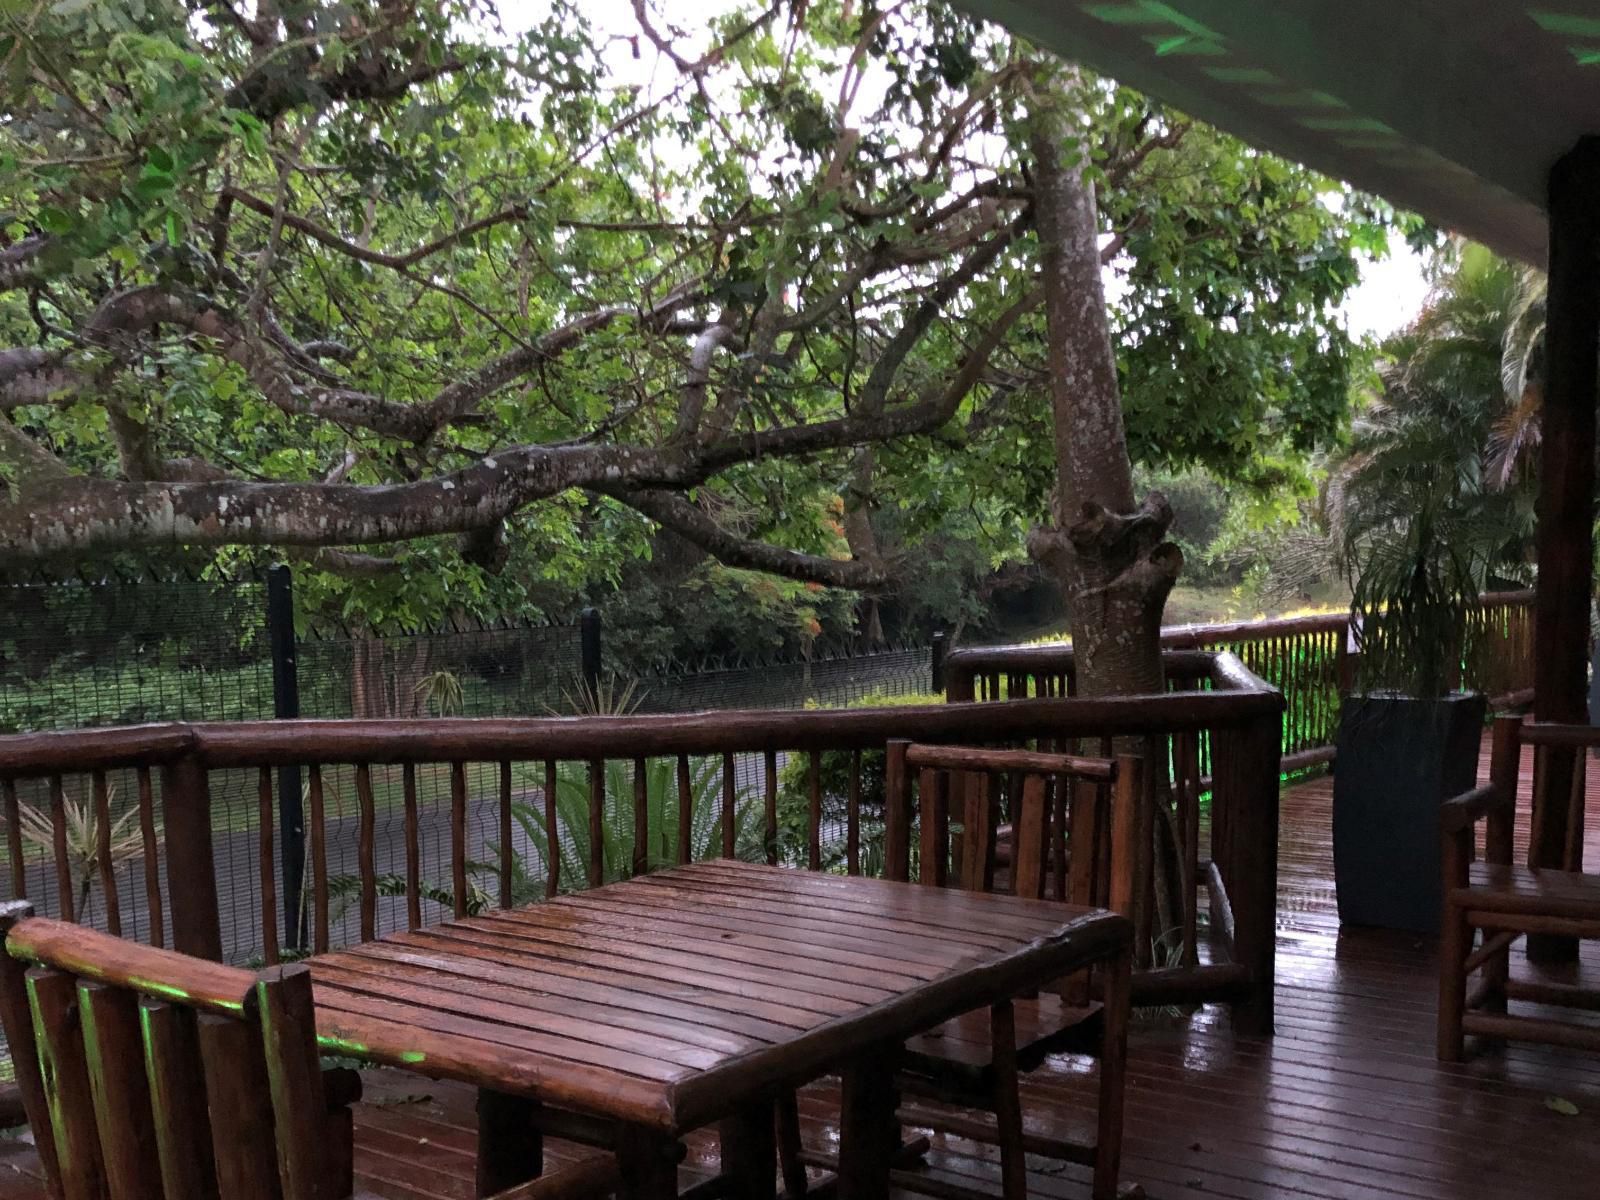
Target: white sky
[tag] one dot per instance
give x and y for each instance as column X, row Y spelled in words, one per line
column 1390, row 293
column 1389, row 296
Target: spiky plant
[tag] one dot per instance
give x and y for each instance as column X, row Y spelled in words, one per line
column 617, row 820
column 607, row 696
column 81, row 820
column 442, row 692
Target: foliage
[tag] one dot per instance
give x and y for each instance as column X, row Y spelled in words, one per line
column 607, row 696
column 1202, row 508
column 83, row 830
column 130, row 693
column 365, row 258
column 617, row 817
column 833, row 772
column 347, row 888
column 666, row 611
column 1420, row 527
column 442, row 692
column 1415, row 586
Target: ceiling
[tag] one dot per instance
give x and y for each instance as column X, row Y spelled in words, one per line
column 1453, row 108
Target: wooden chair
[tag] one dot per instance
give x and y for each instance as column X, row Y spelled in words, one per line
column 1505, row 900
column 974, row 1060
column 146, row 1074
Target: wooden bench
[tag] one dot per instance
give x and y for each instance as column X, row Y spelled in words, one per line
column 1490, row 904
column 146, row 1073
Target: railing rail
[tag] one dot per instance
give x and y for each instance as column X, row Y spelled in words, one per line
column 1310, row 659
column 521, row 767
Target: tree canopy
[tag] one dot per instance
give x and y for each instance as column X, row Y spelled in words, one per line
column 417, row 295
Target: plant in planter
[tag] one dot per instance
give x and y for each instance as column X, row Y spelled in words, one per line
column 1418, row 530
column 1408, row 736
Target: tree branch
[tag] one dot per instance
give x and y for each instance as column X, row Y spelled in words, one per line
column 22, row 262
column 875, row 392
column 672, row 511
column 354, row 249
column 29, row 376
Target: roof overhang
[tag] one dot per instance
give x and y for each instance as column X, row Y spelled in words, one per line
column 1456, row 109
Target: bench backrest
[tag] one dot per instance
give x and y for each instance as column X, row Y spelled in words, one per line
column 147, row 1073
column 1073, row 821
column 1559, row 787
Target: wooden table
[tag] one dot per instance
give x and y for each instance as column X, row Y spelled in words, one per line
column 690, row 996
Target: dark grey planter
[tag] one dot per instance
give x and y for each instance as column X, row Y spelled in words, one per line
column 1399, row 759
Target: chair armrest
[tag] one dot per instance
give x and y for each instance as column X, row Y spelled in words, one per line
column 1463, row 811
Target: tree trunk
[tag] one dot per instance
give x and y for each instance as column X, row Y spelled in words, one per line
column 367, row 692
column 1106, row 550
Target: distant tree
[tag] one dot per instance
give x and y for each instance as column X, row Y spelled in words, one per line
column 465, row 316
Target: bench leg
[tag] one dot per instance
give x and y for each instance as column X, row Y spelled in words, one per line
column 1455, row 944
column 1497, row 975
column 339, row 1152
column 1113, row 1075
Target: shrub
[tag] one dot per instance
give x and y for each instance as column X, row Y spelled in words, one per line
column 794, row 795
column 661, row 792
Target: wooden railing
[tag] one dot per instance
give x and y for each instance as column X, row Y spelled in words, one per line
column 167, row 775
column 1497, row 659
column 1310, row 659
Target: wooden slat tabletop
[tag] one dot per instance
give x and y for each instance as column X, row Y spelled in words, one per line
column 666, row 999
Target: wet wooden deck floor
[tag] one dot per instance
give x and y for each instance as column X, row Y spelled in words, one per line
column 1346, row 1101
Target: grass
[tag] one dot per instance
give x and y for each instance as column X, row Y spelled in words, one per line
column 1194, row 605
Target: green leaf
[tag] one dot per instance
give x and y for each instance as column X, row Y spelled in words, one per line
column 1558, row 1104
column 57, row 220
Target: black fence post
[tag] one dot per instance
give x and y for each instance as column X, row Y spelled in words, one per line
column 589, row 625
column 940, row 647
column 286, row 706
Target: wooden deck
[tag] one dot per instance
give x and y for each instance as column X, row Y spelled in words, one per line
column 1346, row 1101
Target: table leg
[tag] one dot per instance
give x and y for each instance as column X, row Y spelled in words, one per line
column 510, row 1146
column 869, row 1134
column 648, row 1164
column 796, row 1184
column 750, row 1150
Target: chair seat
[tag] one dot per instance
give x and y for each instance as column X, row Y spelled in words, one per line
column 959, row 1051
column 1533, row 890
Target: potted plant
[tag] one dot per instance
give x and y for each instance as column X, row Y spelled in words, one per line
column 1421, row 509
column 1408, row 736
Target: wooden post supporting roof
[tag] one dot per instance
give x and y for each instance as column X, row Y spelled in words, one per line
column 1567, row 478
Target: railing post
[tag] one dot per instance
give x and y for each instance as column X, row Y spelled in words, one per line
column 939, row 648
column 191, row 866
column 958, row 683
column 1247, row 762
column 589, row 633
column 286, row 707
column 1346, row 669
column 896, row 812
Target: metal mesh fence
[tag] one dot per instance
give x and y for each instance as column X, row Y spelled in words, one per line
column 524, row 671
column 828, row 682
column 121, row 651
